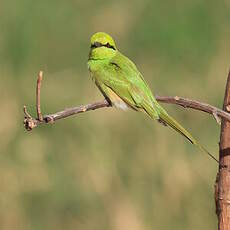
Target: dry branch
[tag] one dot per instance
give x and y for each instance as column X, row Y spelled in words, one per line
column 38, row 93
column 30, row 122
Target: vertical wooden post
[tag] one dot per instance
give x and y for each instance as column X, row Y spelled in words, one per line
column 222, row 193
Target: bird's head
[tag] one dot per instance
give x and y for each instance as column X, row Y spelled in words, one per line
column 102, row 46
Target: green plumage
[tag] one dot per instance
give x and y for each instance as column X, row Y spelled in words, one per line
column 122, row 84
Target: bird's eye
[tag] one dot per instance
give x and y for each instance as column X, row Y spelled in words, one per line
column 96, row 44
column 109, row 46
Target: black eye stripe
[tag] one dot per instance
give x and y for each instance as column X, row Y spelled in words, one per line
column 98, row 44
column 109, row 46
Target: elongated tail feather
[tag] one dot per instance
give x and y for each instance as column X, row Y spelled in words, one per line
column 165, row 118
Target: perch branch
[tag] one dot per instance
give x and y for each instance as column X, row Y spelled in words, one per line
column 30, row 122
column 197, row 105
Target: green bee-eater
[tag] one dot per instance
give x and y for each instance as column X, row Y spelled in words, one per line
column 123, row 86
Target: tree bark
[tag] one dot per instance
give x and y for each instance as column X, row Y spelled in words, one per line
column 222, row 193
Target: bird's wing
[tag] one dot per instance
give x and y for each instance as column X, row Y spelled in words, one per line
column 132, row 74
column 123, row 78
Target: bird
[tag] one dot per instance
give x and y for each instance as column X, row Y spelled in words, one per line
column 124, row 87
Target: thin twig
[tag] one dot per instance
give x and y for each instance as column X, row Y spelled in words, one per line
column 27, row 115
column 31, row 123
column 51, row 118
column 38, row 97
column 193, row 104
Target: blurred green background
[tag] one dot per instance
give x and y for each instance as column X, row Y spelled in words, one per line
column 109, row 169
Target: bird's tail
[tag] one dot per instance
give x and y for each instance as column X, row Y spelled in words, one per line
column 168, row 120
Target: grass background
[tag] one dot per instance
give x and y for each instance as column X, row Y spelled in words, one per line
column 109, row 169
